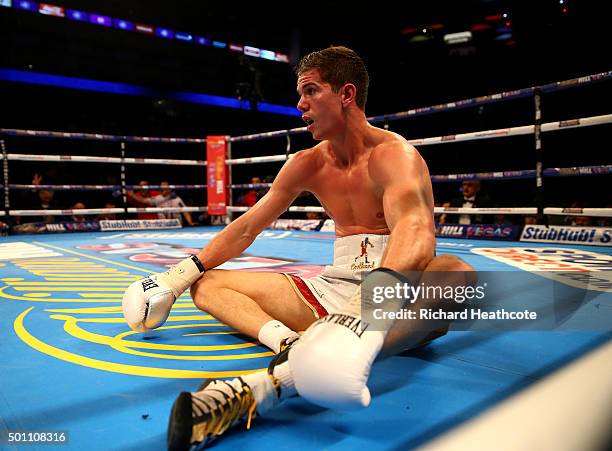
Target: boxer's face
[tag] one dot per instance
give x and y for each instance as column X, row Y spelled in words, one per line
column 321, row 107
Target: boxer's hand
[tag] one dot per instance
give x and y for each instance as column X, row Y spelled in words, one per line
column 331, row 363
column 147, row 302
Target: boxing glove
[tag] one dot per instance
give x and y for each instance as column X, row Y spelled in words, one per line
column 147, row 302
column 331, row 363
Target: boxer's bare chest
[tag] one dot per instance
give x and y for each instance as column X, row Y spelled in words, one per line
column 351, row 198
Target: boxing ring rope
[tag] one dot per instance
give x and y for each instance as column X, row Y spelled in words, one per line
column 98, row 137
column 602, row 212
column 475, row 101
column 94, row 159
column 535, row 129
column 470, row 136
column 106, row 187
column 495, row 175
column 492, row 175
column 97, row 211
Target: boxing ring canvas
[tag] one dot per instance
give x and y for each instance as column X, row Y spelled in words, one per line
column 70, row 363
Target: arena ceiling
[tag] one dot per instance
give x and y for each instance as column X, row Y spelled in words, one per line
column 409, row 67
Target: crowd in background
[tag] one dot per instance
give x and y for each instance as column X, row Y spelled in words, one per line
column 469, row 194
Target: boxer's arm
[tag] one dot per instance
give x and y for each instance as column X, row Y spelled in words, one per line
column 407, row 204
column 239, row 235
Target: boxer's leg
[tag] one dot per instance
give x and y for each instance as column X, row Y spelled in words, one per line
column 254, row 303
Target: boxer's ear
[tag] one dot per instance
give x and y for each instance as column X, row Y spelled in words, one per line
column 348, row 93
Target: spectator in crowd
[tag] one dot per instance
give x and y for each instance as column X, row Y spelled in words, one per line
column 582, row 221
column 108, row 216
column 40, row 199
column 75, row 216
column 217, row 220
column 251, row 197
column 439, row 216
column 578, row 221
column 603, row 221
column 166, row 199
column 313, row 215
column 139, row 199
column 530, row 219
column 471, row 198
column 502, row 219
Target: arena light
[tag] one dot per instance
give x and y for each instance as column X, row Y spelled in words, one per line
column 503, row 37
column 419, row 38
column 203, row 41
column 165, row 33
column 458, row 38
column 26, row 5
column 126, row 25
column 143, row 28
column 51, row 10
column 251, row 51
column 183, row 36
column 267, row 54
column 98, row 19
column 409, row 30
column 86, row 84
column 77, row 15
column 480, row 27
column 282, row 57
column 123, row 24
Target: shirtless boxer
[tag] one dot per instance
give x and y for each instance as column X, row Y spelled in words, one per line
column 372, row 183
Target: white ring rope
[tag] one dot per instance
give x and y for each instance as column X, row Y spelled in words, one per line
column 265, row 159
column 91, row 159
column 98, row 211
column 165, row 209
column 67, row 212
column 515, row 131
column 471, row 136
column 600, row 212
column 555, row 211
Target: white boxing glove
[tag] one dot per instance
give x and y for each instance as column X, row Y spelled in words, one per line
column 331, row 363
column 147, row 302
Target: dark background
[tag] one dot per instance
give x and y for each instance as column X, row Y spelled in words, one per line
column 547, row 45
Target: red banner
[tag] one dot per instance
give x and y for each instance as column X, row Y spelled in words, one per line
column 215, row 159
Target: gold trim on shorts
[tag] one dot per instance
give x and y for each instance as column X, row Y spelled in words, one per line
column 301, row 296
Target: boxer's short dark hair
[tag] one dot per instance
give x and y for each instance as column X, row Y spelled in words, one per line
column 337, row 66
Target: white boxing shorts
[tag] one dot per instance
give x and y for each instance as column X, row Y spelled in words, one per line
column 354, row 257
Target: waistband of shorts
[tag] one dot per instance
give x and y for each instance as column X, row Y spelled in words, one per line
column 353, row 250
